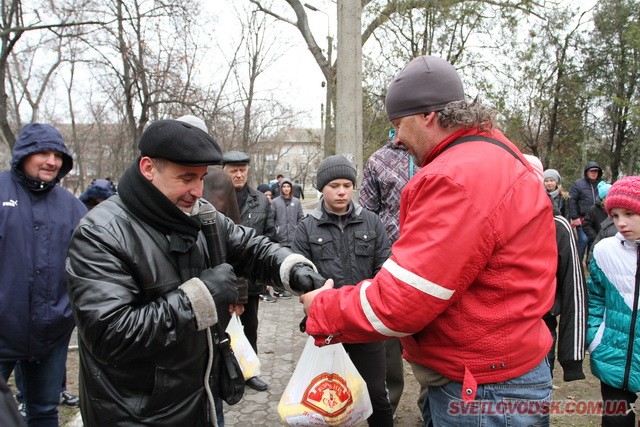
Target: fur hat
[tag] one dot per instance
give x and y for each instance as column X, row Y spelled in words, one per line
column 552, row 174
column 624, row 193
column 426, row 84
column 179, row 142
column 334, row 167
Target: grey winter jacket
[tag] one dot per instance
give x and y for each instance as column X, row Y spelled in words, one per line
column 287, row 214
column 347, row 256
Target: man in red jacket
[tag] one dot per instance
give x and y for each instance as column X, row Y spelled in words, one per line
column 472, row 273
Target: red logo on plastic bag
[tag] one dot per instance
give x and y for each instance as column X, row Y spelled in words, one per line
column 328, row 394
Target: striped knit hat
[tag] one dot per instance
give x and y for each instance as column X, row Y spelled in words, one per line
column 624, row 193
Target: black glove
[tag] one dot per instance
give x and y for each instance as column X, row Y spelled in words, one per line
column 221, row 282
column 303, row 279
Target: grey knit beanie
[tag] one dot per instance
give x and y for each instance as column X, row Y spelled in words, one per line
column 553, row 174
column 426, row 84
column 334, row 167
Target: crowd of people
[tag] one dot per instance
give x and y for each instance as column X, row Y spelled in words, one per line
column 479, row 291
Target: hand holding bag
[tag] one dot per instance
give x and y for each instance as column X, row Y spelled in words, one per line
column 325, row 389
column 242, row 349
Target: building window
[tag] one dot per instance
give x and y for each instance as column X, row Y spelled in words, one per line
column 287, row 167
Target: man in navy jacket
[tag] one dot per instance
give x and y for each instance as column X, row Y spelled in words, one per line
column 37, row 218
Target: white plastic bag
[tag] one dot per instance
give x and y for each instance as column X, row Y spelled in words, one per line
column 325, row 390
column 247, row 358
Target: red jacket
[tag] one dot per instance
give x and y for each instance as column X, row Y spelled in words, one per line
column 471, row 275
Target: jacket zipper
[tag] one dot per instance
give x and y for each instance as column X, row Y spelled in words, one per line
column 330, row 338
column 634, row 316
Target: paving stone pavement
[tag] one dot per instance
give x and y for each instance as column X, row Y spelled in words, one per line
column 280, row 344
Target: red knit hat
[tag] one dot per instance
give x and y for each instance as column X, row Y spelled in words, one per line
column 624, row 193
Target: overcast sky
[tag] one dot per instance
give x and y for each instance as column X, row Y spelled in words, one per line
column 295, row 78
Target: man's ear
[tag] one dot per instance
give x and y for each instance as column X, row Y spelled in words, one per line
column 430, row 117
column 147, row 168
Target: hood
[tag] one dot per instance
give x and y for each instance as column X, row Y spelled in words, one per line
column 592, row 165
column 37, row 137
column 100, row 189
column 286, row 181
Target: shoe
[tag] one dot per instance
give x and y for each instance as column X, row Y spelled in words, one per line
column 283, row 294
column 268, row 298
column 256, row 384
column 69, row 400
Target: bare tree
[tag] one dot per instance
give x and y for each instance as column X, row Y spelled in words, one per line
column 64, row 19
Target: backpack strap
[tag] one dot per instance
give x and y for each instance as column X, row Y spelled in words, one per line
column 485, row 139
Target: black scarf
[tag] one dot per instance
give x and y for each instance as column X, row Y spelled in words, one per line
column 242, row 195
column 149, row 204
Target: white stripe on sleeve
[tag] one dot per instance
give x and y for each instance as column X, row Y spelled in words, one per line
column 421, row 284
column 410, row 279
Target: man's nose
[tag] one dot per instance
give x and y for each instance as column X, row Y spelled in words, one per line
column 196, row 189
column 51, row 159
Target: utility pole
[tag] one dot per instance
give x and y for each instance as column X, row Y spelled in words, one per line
column 349, row 137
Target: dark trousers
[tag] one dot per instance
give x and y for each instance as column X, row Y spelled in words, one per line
column 250, row 320
column 613, row 395
column 583, row 243
column 369, row 360
column 41, row 384
column 17, row 376
column 395, row 371
column 552, row 324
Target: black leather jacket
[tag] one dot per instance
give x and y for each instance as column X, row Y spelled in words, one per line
column 256, row 213
column 142, row 331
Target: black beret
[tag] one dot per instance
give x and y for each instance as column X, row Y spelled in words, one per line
column 235, row 157
column 179, row 142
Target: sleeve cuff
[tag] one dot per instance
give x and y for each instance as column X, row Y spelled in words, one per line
column 572, row 370
column 202, row 303
column 287, row 265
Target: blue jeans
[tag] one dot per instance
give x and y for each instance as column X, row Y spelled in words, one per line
column 42, row 379
column 521, row 401
column 583, row 243
column 17, row 376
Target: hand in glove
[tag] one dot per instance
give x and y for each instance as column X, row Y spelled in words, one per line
column 221, row 282
column 303, row 279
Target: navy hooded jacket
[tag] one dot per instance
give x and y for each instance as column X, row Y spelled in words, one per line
column 36, row 223
column 583, row 194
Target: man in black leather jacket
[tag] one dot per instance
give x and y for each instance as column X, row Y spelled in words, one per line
column 145, row 294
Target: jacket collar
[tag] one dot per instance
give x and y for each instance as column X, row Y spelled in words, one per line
column 319, row 213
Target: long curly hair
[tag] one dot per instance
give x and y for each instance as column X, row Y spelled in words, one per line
column 461, row 113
